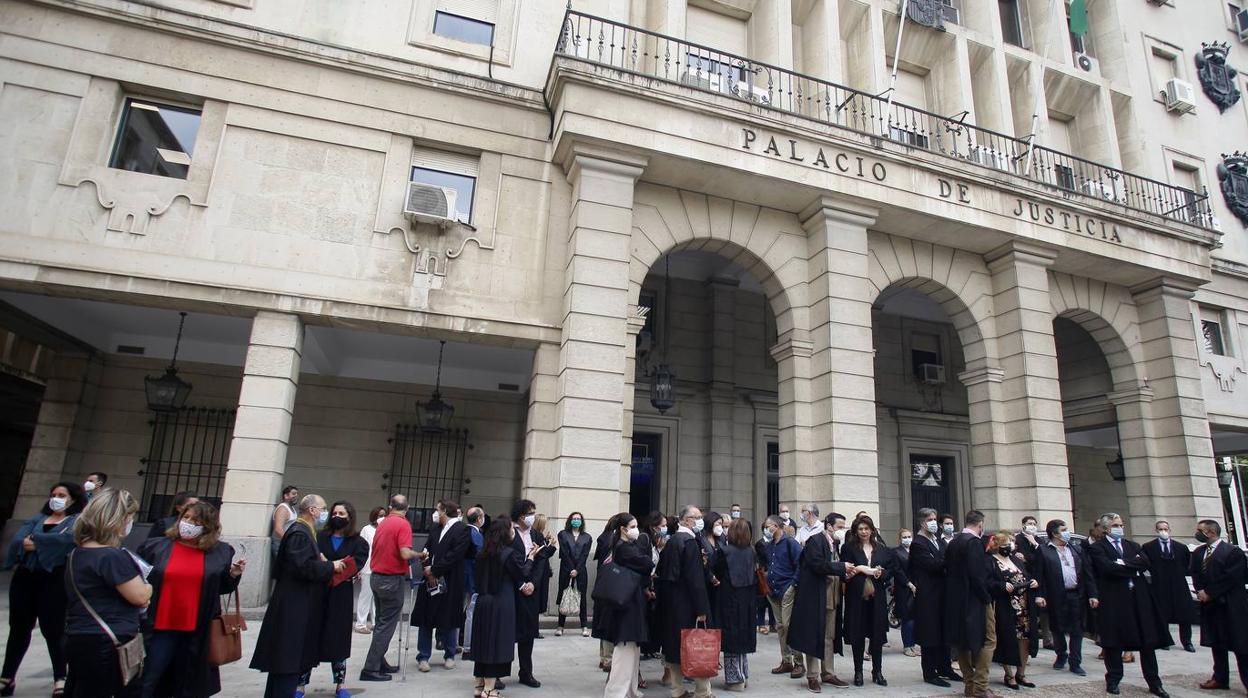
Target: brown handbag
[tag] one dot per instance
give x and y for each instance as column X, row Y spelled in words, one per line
column 764, row 589
column 225, row 635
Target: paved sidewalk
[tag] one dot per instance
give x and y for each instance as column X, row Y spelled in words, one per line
column 568, row 667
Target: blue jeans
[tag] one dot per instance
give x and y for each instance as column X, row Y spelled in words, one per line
column 907, row 633
column 424, row 643
column 162, row 646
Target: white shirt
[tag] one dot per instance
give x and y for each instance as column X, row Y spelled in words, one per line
column 367, row 534
column 685, row 529
column 1070, row 577
column 805, row 532
column 446, row 526
column 526, row 537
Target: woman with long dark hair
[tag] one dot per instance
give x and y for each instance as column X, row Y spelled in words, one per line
column 713, row 531
column 866, row 605
column 656, row 530
column 37, row 590
column 338, row 539
column 501, row 575
column 574, row 546
column 624, row 626
column 191, row 569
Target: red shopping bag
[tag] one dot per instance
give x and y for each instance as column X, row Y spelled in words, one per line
column 699, row 653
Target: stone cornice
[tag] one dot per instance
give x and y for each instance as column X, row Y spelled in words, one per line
column 1020, row 250
column 839, row 209
column 1130, row 394
column 792, row 348
column 984, row 374
column 1164, row 285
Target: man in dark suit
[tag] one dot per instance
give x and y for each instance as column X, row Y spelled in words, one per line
column 927, row 573
column 683, row 601
column 440, row 600
column 1168, row 563
column 523, row 514
column 1066, row 586
column 1127, row 617
column 1219, row 571
column 970, row 623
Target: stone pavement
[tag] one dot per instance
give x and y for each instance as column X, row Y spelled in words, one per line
column 568, row 667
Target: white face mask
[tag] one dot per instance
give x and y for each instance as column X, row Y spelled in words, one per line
column 718, row 530
column 1164, row 535
column 437, row 516
column 736, row 514
column 188, row 530
column 784, row 516
column 380, row 519
column 1030, row 529
column 89, row 485
column 632, row 532
column 698, row 526
column 839, row 535
column 57, row 503
column 932, row 526
column 528, row 520
column 905, row 542
column 948, row 528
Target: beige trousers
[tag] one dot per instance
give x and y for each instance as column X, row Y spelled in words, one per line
column 975, row 666
column 701, row 687
column 782, row 611
column 625, row 667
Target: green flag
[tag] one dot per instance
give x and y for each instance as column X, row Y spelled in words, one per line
column 1078, row 17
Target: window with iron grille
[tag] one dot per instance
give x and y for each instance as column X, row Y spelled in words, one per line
column 188, row 453
column 426, row 467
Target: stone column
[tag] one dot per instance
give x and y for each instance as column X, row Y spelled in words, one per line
column 257, row 462
column 589, row 392
column 1029, row 437
column 1182, row 474
column 723, row 480
column 635, row 324
column 842, row 370
column 1133, row 406
column 793, row 419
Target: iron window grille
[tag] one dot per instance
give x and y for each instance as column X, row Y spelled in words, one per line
column 426, row 467
column 188, row 453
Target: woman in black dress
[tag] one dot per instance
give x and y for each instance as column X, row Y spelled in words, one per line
column 1011, row 608
column 865, row 602
column 711, row 538
column 501, row 574
column 903, row 592
column 734, row 568
column 656, row 530
column 339, row 540
column 574, row 546
column 624, row 626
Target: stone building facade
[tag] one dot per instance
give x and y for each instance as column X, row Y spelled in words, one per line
column 1013, row 281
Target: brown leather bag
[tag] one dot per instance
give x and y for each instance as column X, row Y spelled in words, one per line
column 225, row 635
column 764, row 589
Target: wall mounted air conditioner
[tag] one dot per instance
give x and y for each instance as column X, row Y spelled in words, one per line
column 983, row 155
column 426, row 203
column 1241, row 25
column 1180, row 96
column 1087, row 63
column 717, row 82
column 931, row 374
column 1104, row 190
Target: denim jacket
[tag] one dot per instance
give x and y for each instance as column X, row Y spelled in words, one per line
column 51, row 549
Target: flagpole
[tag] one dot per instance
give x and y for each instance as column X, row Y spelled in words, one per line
column 1035, row 96
column 892, row 84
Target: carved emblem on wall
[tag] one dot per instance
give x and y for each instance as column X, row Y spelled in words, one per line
column 929, row 13
column 1216, row 77
column 1233, row 178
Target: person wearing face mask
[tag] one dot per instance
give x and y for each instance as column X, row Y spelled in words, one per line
column 734, row 513
column 865, row 601
column 948, row 528
column 1010, row 586
column 289, row 642
column 655, row 530
column 94, row 483
column 783, row 559
column 37, row 555
column 788, row 522
column 1219, row 572
column 624, row 626
column 903, row 592
column 734, row 568
column 574, row 545
column 107, row 595
column 502, row 580
column 364, row 599
column 1027, row 543
column 927, row 574
column 390, row 564
column 1168, row 564
column 815, row 629
column 714, row 526
column 440, row 599
column 523, row 516
column 682, row 595
column 191, row 569
column 970, row 623
column 181, row 501
column 810, row 523
column 1067, row 587
column 602, row 550
column 336, row 541
column 1127, row 618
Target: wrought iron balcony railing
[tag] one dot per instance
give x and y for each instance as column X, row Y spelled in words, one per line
column 659, row 57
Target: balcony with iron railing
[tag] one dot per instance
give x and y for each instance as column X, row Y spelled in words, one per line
column 655, row 56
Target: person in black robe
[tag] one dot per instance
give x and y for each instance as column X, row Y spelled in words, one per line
column 1219, row 571
column 1168, row 565
column 683, row 602
column 602, row 549
column 624, row 626
column 656, row 534
column 734, row 600
column 542, row 568
column 339, row 540
column 817, row 601
column 902, row 590
column 1027, row 543
column 711, row 541
column 866, row 600
column 289, row 643
column 443, row 561
column 970, row 623
column 502, row 576
column 1127, row 617
column 528, row 607
column 1067, row 587
column 927, row 573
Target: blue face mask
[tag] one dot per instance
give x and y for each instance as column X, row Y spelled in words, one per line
column 1116, row 533
column 1066, row 536
column 321, row 518
column 576, row 523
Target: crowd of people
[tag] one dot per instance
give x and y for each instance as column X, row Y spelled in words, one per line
column 479, row 586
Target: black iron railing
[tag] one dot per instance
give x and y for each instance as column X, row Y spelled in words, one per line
column 656, row 56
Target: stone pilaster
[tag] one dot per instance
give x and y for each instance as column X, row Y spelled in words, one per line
column 724, row 480
column 793, row 414
column 842, row 371
column 1181, row 466
column 1029, row 438
column 1133, row 406
column 635, row 324
column 257, row 462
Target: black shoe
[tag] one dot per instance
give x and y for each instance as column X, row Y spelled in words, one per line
column 878, row 678
column 1158, row 691
column 388, row 668
column 951, row 675
column 857, row 678
column 1189, row 647
column 937, row 681
column 1025, row 683
column 1112, row 688
column 1078, row 671
column 1060, row 662
column 528, row 680
column 367, row 675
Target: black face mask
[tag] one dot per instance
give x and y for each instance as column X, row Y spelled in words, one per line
column 339, row 522
column 1201, row 537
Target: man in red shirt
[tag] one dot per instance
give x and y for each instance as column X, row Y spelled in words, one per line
column 391, row 551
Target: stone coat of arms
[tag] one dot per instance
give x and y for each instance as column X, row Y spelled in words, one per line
column 1233, row 178
column 1217, row 78
column 929, row 13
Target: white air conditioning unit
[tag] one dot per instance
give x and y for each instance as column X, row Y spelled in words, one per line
column 1104, row 190
column 1180, row 96
column 717, row 82
column 426, row 203
column 988, row 157
column 1241, row 25
column 1087, row 63
column 931, row 374
column 754, row 93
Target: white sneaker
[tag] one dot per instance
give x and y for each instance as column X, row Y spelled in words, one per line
column 423, row 666
column 449, row 664
column 558, row 632
column 584, row 632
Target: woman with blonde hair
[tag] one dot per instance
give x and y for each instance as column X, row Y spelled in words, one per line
column 1013, row 617
column 191, row 569
column 106, row 593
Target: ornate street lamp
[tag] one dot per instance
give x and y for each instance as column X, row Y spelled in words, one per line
column 434, row 416
column 1117, row 469
column 168, row 393
column 663, row 380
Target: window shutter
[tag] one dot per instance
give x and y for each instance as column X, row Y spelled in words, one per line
column 484, row 10
column 446, row 161
column 717, row 31
column 911, row 89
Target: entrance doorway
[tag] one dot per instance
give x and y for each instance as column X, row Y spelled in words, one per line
column 643, row 493
column 929, row 483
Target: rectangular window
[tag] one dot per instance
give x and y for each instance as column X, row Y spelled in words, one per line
column 155, row 138
column 188, row 453
column 773, row 476
column 1011, row 21
column 1188, row 180
column 1165, row 66
column 1078, row 43
column 646, row 338
column 466, row 29
column 924, row 349
column 1211, row 331
column 716, row 30
column 426, row 466
column 456, row 171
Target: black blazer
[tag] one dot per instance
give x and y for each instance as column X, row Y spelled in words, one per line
column 1222, row 622
column 926, row 570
